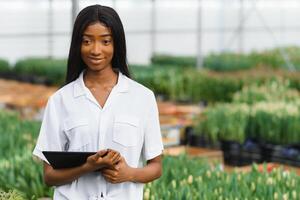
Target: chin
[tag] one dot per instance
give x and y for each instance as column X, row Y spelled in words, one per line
column 96, row 68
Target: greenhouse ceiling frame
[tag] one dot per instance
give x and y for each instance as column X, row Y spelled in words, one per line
column 238, row 32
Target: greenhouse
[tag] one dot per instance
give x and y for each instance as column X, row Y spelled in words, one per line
column 149, row 99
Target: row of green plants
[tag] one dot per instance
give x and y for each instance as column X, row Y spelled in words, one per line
column 194, row 86
column 269, row 112
column 228, row 61
column 173, row 81
column 21, row 175
column 44, row 70
column 4, row 65
column 225, row 61
column 195, row 179
column 19, row 172
column 276, row 123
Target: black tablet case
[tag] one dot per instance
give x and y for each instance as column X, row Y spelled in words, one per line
column 63, row 159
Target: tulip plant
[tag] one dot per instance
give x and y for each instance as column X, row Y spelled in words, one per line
column 186, row 178
column 183, row 177
column 11, row 195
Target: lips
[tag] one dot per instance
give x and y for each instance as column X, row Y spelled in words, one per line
column 95, row 60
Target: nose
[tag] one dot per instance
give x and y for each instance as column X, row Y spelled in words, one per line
column 96, row 48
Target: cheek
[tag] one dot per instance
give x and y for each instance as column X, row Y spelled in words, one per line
column 110, row 51
column 83, row 50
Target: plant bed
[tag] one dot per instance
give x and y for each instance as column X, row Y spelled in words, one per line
column 289, row 155
column 191, row 179
column 237, row 154
column 285, row 154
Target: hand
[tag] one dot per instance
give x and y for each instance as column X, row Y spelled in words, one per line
column 119, row 173
column 103, row 158
column 111, row 158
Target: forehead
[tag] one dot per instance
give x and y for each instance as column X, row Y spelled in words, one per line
column 97, row 29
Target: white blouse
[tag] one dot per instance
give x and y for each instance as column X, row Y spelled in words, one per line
column 128, row 123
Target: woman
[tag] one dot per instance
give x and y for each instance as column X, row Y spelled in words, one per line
column 101, row 108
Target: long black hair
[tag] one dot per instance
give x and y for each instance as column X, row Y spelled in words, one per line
column 108, row 17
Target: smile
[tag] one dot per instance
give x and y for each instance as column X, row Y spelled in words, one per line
column 96, row 60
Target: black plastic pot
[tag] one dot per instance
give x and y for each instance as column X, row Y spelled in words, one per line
column 267, row 151
column 287, row 154
column 8, row 75
column 252, row 152
column 232, row 153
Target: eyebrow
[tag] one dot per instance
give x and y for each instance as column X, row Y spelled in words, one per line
column 103, row 35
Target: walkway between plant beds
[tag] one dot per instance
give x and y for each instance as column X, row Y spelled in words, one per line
column 216, row 156
column 17, row 94
column 27, row 98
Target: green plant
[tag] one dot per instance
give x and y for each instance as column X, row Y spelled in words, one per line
column 272, row 91
column 4, row 66
column 196, row 179
column 228, row 62
column 53, row 70
column 275, row 122
column 11, row 195
column 225, row 122
column 189, row 179
column 17, row 168
column 174, row 61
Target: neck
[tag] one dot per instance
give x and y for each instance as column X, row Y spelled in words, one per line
column 100, row 78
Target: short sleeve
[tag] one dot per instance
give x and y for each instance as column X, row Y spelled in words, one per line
column 153, row 145
column 51, row 137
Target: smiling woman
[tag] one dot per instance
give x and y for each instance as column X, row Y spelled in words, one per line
column 97, row 46
column 100, row 109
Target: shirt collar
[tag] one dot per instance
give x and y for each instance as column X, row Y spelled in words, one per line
column 80, row 89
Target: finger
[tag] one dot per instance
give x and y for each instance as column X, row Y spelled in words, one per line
column 116, row 158
column 117, row 166
column 110, row 172
column 106, row 171
column 109, row 155
column 116, row 161
column 109, row 177
column 102, row 152
column 96, row 156
column 119, row 160
column 114, row 152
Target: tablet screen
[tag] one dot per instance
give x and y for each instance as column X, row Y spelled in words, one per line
column 63, row 159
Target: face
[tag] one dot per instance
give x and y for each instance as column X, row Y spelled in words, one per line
column 97, row 47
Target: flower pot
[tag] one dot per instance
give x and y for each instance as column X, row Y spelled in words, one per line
column 267, row 151
column 287, row 154
column 195, row 139
column 252, row 152
column 232, row 153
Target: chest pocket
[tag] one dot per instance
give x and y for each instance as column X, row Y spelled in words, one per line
column 77, row 133
column 126, row 130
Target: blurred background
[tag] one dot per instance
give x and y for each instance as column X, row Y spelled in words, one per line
column 225, row 74
column 186, row 28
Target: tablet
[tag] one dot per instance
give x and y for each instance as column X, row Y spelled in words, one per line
column 65, row 159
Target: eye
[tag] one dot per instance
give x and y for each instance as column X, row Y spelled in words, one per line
column 106, row 42
column 86, row 41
